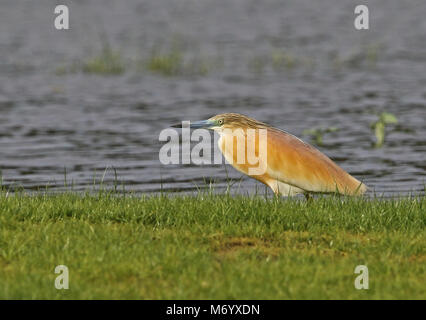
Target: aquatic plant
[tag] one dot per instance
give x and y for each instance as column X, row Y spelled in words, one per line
column 175, row 63
column 318, row 133
column 166, row 64
column 379, row 127
column 257, row 64
column 365, row 56
column 282, row 59
column 107, row 62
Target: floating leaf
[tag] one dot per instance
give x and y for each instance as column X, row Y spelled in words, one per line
column 388, row 118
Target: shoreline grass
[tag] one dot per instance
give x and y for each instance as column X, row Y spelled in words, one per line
column 210, row 247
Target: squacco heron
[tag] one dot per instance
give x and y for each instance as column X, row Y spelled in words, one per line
column 291, row 166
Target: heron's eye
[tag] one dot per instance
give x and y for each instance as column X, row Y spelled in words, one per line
column 220, row 122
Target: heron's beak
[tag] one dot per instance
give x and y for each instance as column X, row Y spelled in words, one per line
column 204, row 124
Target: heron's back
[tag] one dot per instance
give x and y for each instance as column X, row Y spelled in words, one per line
column 295, row 163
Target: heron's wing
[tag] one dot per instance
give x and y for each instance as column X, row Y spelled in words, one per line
column 292, row 161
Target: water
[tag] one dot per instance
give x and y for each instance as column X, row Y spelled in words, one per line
column 294, row 65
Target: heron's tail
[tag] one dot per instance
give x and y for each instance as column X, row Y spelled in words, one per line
column 354, row 188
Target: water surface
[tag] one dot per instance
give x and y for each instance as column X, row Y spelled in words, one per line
column 293, row 64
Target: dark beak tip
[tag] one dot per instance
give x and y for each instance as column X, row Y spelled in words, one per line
column 178, row 125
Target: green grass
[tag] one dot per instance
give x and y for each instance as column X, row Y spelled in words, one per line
column 210, row 247
column 108, row 62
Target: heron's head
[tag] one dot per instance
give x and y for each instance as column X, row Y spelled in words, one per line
column 226, row 121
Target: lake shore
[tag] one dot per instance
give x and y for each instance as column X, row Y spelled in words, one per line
column 118, row 246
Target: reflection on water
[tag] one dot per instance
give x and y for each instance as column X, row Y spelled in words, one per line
column 296, row 65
